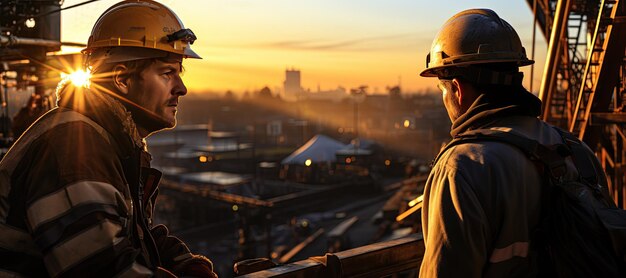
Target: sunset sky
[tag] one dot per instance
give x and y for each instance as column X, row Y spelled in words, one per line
column 248, row 44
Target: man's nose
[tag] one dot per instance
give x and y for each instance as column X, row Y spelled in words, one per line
column 180, row 89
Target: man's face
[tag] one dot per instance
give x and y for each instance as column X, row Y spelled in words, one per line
column 156, row 91
column 450, row 99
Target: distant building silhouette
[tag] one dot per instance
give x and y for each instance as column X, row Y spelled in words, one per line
column 292, row 85
column 294, row 91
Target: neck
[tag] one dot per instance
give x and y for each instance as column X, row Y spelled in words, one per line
column 146, row 124
column 143, row 133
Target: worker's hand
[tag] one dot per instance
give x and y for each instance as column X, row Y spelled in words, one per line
column 176, row 257
column 196, row 266
column 171, row 249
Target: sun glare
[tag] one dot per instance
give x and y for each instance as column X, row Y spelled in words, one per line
column 80, row 78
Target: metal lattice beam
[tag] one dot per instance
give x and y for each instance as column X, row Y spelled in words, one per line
column 583, row 87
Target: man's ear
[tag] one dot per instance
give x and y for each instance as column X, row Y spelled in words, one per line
column 121, row 79
column 466, row 94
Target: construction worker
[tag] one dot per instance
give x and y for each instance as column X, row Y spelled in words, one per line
column 76, row 190
column 482, row 200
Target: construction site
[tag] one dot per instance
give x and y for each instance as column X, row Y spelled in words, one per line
column 266, row 187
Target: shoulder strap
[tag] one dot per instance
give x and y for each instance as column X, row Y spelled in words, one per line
column 581, row 157
column 553, row 157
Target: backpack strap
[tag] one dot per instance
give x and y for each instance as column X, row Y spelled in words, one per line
column 581, row 157
column 553, row 157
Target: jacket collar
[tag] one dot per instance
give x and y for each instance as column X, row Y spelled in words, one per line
column 488, row 108
column 105, row 110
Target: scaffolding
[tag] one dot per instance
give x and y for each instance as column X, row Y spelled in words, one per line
column 582, row 88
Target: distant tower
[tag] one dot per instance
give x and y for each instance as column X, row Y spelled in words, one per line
column 292, row 84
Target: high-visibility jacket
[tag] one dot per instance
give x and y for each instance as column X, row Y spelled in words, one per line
column 482, row 200
column 76, row 195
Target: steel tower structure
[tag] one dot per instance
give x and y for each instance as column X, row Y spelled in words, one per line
column 584, row 79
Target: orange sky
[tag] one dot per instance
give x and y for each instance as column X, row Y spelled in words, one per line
column 248, row 44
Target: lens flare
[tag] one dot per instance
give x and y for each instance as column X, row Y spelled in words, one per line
column 80, row 78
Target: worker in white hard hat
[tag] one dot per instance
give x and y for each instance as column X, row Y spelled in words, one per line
column 76, row 190
column 482, row 200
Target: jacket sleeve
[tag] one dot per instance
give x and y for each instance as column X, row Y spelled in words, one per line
column 76, row 207
column 454, row 226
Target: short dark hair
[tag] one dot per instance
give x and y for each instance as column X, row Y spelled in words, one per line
column 135, row 67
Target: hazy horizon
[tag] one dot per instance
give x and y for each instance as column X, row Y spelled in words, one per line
column 247, row 44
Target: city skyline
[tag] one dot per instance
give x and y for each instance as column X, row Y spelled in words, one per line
column 247, row 45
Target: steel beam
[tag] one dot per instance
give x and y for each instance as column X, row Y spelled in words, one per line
column 607, row 118
column 548, row 82
column 608, row 74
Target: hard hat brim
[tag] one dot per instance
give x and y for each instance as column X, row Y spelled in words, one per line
column 432, row 72
column 189, row 53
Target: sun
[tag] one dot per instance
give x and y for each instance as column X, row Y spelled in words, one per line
column 80, row 78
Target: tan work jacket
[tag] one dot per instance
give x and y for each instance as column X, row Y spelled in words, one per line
column 482, row 200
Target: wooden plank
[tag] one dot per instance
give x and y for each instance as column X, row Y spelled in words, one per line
column 415, row 205
column 341, row 229
column 408, row 212
column 285, row 258
column 374, row 260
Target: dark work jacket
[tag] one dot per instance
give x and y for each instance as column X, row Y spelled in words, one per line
column 482, row 199
column 76, row 193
